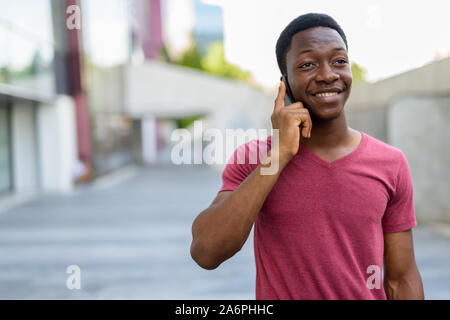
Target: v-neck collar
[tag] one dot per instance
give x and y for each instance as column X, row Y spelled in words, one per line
column 307, row 153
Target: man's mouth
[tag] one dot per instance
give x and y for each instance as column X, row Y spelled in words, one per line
column 327, row 92
column 327, row 96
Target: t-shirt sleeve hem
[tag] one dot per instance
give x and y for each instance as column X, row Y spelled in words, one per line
column 226, row 189
column 400, row 228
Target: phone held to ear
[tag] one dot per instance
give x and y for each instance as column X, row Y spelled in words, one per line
column 288, row 98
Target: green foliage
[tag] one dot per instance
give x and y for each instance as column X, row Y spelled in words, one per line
column 359, row 73
column 186, row 121
column 213, row 62
column 191, row 58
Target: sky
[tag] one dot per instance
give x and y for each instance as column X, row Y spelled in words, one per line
column 207, row 17
column 386, row 37
column 106, row 30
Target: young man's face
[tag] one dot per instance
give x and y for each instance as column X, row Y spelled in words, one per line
column 324, row 67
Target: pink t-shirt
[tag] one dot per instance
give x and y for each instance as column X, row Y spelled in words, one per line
column 319, row 234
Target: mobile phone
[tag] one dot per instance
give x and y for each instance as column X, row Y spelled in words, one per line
column 289, row 98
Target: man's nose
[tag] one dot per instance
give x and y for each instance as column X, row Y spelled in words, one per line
column 326, row 73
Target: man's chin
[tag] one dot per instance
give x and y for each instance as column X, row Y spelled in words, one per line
column 326, row 114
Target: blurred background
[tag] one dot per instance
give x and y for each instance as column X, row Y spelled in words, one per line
column 91, row 91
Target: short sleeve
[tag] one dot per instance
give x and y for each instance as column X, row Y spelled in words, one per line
column 400, row 214
column 241, row 164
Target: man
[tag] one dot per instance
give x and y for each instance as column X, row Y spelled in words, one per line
column 341, row 201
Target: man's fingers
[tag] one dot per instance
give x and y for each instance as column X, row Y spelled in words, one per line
column 305, row 121
column 295, row 106
column 307, row 127
column 279, row 101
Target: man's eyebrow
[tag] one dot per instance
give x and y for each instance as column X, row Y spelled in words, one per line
column 310, row 50
column 304, row 51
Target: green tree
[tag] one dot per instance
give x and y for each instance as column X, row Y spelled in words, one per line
column 187, row 121
column 359, row 73
column 191, row 58
column 214, row 62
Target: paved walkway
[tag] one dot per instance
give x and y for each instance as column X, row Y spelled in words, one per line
column 130, row 236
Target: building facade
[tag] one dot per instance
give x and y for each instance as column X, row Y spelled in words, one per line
column 38, row 135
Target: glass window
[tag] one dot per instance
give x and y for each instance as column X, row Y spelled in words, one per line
column 26, row 39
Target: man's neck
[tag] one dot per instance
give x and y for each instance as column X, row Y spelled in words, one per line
column 329, row 134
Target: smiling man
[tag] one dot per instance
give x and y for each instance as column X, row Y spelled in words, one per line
column 341, row 205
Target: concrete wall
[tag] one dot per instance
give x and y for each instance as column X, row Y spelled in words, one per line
column 411, row 111
column 57, row 144
column 166, row 90
column 163, row 90
column 420, row 127
column 371, row 120
column 431, row 78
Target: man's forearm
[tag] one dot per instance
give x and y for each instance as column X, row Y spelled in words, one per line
column 221, row 230
column 406, row 287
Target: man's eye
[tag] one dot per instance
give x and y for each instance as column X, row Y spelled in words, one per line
column 341, row 61
column 305, row 65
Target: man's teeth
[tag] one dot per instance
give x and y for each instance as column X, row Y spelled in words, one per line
column 326, row 94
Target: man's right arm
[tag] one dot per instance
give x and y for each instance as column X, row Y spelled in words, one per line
column 221, row 230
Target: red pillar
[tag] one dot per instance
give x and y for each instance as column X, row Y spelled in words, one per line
column 74, row 68
column 151, row 30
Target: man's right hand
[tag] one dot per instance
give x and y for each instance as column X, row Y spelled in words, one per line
column 290, row 120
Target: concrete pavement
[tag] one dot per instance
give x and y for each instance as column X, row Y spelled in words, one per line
column 130, row 236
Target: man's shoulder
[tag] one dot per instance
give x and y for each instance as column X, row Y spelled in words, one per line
column 379, row 149
column 385, row 159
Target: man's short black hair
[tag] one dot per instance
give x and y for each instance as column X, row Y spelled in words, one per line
column 303, row 22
